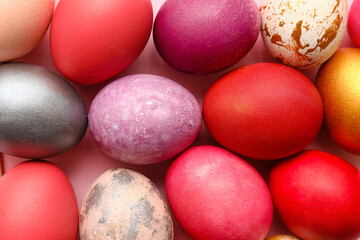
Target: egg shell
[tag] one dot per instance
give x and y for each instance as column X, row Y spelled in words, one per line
column 263, row 111
column 37, row 201
column 124, row 204
column 303, row 34
column 93, row 41
column 23, row 24
column 281, row 237
column 338, row 82
column 41, row 114
column 354, row 22
column 317, row 196
column 143, row 119
column 205, row 36
column 215, row 194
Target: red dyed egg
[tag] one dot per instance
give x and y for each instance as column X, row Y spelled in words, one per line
column 214, row 194
column 317, row 196
column 263, row 111
column 354, row 22
column 93, row 41
column 38, row 202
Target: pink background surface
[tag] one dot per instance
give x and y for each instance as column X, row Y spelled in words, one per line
column 84, row 163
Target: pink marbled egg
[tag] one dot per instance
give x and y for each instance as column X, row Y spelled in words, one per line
column 144, row 119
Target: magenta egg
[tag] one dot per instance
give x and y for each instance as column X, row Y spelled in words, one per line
column 205, row 36
column 144, row 119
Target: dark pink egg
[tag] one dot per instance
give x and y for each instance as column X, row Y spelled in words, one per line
column 205, row 36
column 215, row 194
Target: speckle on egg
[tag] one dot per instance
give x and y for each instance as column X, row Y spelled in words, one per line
column 303, row 34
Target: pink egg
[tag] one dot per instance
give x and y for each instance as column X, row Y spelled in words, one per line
column 354, row 22
column 215, row 194
column 143, row 119
column 205, row 36
column 38, row 202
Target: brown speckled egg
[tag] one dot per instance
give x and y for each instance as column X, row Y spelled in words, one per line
column 124, row 204
column 305, row 33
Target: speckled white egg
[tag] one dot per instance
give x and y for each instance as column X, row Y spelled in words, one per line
column 124, row 204
column 303, row 34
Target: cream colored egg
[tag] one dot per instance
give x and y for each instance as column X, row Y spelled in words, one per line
column 22, row 26
column 303, row 33
column 124, row 204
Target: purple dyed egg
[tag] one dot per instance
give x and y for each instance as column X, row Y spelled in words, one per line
column 205, row 36
column 144, row 119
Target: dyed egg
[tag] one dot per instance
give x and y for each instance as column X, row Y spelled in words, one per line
column 303, row 34
column 338, row 82
column 354, row 22
column 263, row 111
column 94, row 41
column 281, row 237
column 38, row 202
column 41, row 114
column 143, row 119
column 124, row 204
column 215, row 194
column 317, row 196
column 23, row 24
column 205, row 36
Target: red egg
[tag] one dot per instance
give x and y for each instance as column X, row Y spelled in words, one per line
column 263, row 111
column 93, row 41
column 215, row 194
column 354, row 22
column 317, row 196
column 37, row 202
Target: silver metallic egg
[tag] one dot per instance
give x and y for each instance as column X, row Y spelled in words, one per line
column 41, row 114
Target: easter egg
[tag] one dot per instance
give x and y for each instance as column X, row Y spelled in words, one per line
column 23, row 24
column 144, row 119
column 41, row 114
column 38, row 202
column 263, row 111
column 281, row 237
column 317, row 196
column 124, row 204
column 205, row 36
column 338, row 83
column 303, row 34
column 215, row 194
column 93, row 41
column 354, row 22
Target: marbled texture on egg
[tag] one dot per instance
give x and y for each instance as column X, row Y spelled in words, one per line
column 124, row 204
column 144, row 119
column 304, row 33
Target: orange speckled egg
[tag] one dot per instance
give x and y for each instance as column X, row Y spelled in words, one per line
column 22, row 26
column 338, row 82
column 37, row 201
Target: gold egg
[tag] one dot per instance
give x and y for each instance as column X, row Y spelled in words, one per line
column 338, row 82
column 281, row 237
